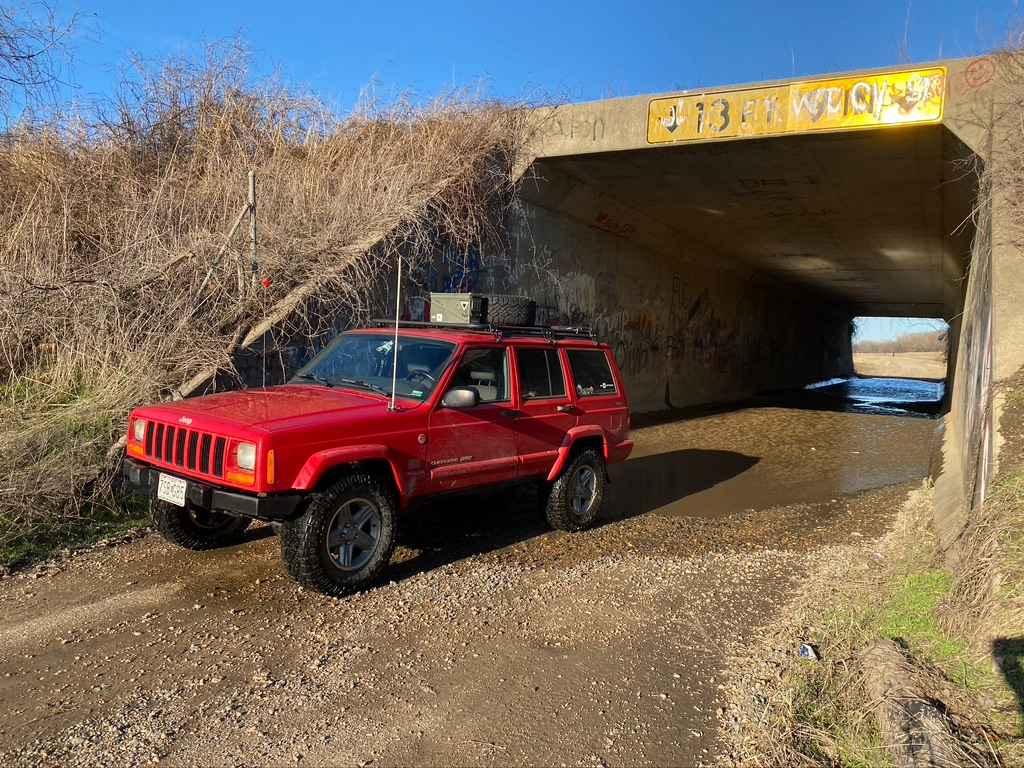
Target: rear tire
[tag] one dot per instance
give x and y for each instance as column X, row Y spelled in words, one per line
column 194, row 528
column 344, row 539
column 575, row 498
column 503, row 309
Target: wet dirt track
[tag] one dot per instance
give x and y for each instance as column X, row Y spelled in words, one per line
column 498, row 642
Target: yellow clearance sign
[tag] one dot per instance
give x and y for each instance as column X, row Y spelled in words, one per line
column 873, row 101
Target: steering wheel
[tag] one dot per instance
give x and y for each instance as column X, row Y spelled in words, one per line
column 421, row 375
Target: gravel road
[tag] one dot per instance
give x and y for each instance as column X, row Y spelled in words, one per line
column 497, row 641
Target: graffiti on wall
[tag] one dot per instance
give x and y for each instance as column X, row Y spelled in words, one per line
column 679, row 336
column 869, row 101
column 575, row 125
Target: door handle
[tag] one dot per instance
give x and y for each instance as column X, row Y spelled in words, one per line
column 511, row 414
column 567, row 409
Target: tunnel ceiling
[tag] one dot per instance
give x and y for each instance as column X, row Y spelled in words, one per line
column 862, row 217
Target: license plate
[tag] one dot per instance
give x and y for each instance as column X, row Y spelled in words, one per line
column 171, row 489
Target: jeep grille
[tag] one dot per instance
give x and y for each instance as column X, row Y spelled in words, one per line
column 187, row 448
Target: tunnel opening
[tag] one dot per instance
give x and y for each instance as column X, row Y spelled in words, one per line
column 901, row 347
column 899, row 369
column 721, row 270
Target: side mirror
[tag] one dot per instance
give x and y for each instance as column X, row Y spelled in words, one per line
column 461, row 397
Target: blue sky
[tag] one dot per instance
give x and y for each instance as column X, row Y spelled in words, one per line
column 882, row 328
column 532, row 49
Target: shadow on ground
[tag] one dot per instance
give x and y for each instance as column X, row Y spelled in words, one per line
column 1008, row 653
column 455, row 527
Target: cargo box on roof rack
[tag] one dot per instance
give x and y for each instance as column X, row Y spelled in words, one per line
column 493, row 308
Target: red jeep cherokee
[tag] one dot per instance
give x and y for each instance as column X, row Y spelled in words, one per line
column 327, row 458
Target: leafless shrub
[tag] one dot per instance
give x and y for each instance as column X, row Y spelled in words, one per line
column 33, row 43
column 924, row 341
column 110, row 228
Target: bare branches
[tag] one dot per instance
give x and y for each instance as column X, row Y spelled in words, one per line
column 919, row 341
column 32, row 43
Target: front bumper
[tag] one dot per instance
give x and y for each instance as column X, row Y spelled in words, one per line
column 275, row 507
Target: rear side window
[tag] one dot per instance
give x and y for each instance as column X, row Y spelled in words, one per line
column 540, row 373
column 591, row 372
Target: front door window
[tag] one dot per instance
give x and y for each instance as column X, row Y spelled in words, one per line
column 486, row 371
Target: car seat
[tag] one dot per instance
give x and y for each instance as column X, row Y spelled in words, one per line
column 486, row 385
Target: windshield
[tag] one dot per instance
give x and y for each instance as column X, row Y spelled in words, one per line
column 363, row 361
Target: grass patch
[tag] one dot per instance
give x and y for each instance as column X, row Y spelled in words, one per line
column 911, row 615
column 42, row 541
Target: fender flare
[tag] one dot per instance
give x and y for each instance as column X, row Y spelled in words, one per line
column 573, row 436
column 323, row 461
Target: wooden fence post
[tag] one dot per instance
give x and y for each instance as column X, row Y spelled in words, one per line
column 252, row 224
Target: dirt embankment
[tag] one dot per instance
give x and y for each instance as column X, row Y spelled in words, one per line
column 496, row 642
column 903, row 365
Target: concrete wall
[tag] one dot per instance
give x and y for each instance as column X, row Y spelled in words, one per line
column 684, row 331
column 983, row 110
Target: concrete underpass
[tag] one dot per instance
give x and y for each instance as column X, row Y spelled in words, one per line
column 724, row 269
column 722, row 240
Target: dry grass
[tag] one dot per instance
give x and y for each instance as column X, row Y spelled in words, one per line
column 821, row 713
column 117, row 282
column 991, row 559
column 987, row 601
column 911, row 365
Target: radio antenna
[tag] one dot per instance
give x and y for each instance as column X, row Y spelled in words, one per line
column 394, row 351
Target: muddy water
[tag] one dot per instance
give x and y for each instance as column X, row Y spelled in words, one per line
column 757, row 458
column 877, row 394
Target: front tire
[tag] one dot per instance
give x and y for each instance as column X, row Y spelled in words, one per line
column 575, row 498
column 194, row 528
column 345, row 538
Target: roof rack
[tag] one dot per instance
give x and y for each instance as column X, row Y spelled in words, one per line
column 546, row 331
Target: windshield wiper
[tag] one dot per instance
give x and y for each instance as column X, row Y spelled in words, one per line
column 314, row 377
column 365, row 385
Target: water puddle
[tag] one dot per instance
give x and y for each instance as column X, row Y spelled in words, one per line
column 876, row 395
column 806, row 446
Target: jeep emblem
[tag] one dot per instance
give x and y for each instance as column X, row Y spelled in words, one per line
column 185, row 420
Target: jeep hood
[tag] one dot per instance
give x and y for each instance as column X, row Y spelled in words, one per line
column 270, row 408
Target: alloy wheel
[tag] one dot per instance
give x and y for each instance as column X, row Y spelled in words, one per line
column 353, row 534
column 584, row 489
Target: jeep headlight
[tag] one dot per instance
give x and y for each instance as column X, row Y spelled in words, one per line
column 245, row 456
column 139, row 430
